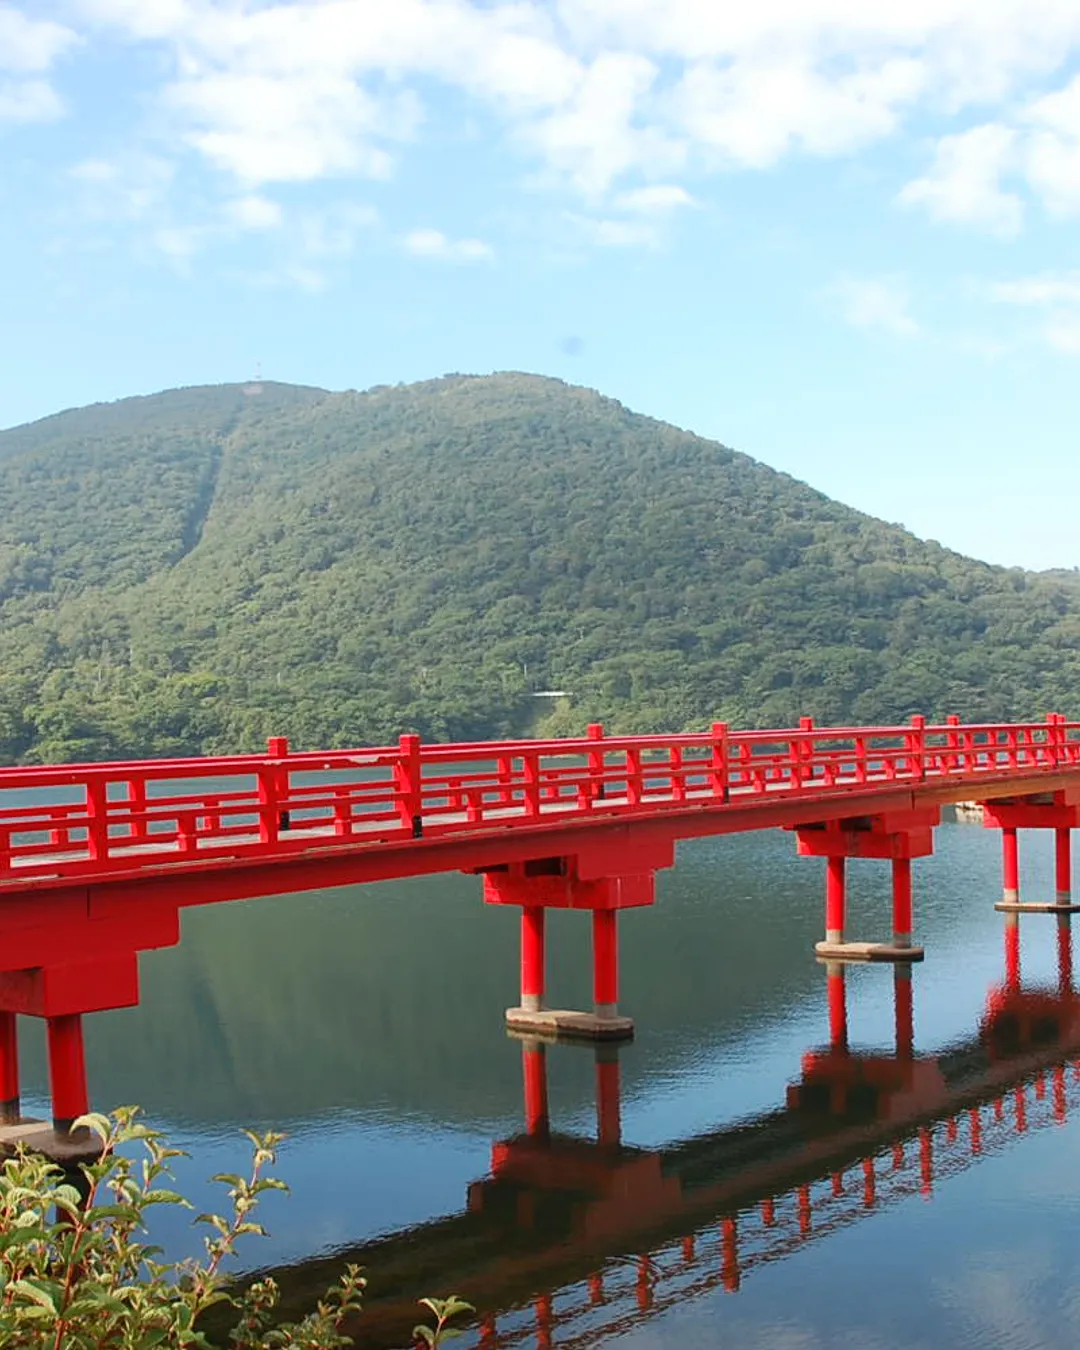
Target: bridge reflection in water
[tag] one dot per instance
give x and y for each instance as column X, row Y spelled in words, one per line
column 569, row 1239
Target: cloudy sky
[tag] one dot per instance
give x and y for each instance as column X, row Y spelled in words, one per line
column 840, row 235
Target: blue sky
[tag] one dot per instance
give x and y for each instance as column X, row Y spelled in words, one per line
column 839, row 235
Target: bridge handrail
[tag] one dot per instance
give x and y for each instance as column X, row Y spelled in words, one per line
column 133, row 815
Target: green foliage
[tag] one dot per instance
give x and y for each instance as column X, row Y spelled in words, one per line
column 76, row 1273
column 194, row 571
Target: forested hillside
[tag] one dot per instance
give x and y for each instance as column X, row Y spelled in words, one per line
column 196, row 570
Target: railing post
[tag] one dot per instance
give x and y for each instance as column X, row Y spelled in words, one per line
column 530, row 771
column 953, row 742
column 136, row 805
column 97, row 825
column 595, row 732
column 801, row 750
column 917, row 747
column 409, row 785
column 633, row 777
column 718, row 769
column 277, row 747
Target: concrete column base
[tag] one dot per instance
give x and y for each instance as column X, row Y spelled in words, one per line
column 867, row 951
column 38, row 1136
column 1036, row 907
column 562, row 1024
column 1009, row 897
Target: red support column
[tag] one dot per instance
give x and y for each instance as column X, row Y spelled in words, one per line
column 904, row 1010
column 835, row 901
column 534, row 1071
column 67, row 1070
column 901, row 884
column 9, row 1069
column 605, row 963
column 1010, row 850
column 837, row 990
column 1012, row 951
column 608, row 1097
column 1063, row 865
column 532, row 957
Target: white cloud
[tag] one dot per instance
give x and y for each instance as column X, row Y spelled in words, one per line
column 876, row 302
column 1055, row 298
column 29, row 101
column 434, row 244
column 1049, row 288
column 31, row 45
column 606, row 94
column 254, row 212
column 964, row 181
column 655, row 200
column 28, row 49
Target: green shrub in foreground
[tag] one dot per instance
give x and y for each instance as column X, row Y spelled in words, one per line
column 75, row 1273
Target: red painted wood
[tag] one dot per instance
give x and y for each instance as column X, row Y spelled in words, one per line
column 9, row 1068
column 605, row 957
column 67, row 1069
column 532, row 956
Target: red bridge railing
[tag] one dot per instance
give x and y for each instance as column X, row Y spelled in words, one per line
column 124, row 818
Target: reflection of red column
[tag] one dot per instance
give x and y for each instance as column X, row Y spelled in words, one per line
column 67, row 1069
column 837, row 992
column 688, row 1248
column 904, row 1010
column 926, row 1161
column 1064, row 953
column 768, row 1212
column 644, row 1284
column 838, row 1183
column 544, row 1320
column 976, row 1130
column 804, row 1211
column 835, row 898
column 596, row 1288
column 9, row 1069
column 898, row 1155
column 605, row 963
column 869, row 1183
column 534, row 1068
column 1059, row 1094
column 1063, row 864
column 1012, row 951
column 1021, row 1109
column 532, row 957
column 486, row 1337
column 729, row 1245
column 608, row 1122
column 1010, row 850
column 901, row 883
column 952, row 1130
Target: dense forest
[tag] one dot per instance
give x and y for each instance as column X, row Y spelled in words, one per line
column 196, row 570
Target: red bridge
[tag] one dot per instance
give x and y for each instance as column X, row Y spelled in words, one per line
column 97, row 860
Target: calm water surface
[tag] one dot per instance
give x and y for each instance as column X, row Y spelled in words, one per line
column 367, row 1024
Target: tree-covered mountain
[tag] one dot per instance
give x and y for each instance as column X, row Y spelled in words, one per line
column 198, row 569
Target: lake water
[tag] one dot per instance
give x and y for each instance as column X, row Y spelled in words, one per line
column 367, row 1024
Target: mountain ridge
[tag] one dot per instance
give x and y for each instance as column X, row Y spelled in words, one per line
column 194, row 570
